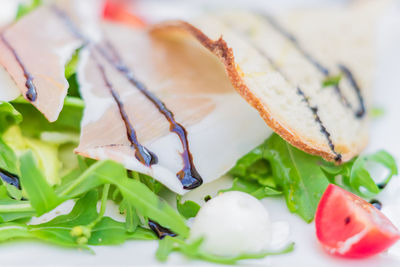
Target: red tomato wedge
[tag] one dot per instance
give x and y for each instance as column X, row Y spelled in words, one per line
column 119, row 11
column 351, row 227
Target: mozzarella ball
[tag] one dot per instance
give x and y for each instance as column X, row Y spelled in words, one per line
column 233, row 223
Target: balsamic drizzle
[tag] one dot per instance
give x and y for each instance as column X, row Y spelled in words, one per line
column 70, row 24
column 361, row 112
column 188, row 176
column 376, row 203
column 141, row 153
column 324, row 131
column 305, row 98
column 10, row 178
column 160, row 231
column 31, row 93
column 382, row 185
column 358, row 113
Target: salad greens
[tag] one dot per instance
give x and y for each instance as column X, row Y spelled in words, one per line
column 193, row 250
column 39, row 171
column 332, row 81
column 276, row 167
column 24, row 9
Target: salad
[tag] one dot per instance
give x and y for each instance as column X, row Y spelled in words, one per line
column 99, row 105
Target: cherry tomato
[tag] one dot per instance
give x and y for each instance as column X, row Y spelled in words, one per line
column 119, row 11
column 351, row 227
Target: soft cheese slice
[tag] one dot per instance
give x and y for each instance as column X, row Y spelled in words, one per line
column 40, row 45
column 277, row 74
column 221, row 127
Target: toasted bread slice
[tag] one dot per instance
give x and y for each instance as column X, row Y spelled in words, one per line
column 315, row 101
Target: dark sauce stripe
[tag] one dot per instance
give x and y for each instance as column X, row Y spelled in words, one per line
column 324, row 131
column 361, row 112
column 305, row 98
column 279, row 28
column 188, row 176
column 141, row 153
column 10, row 178
column 31, row 93
column 160, row 231
column 294, row 41
column 376, row 203
column 69, row 23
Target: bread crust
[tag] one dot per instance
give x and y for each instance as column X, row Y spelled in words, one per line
column 220, row 49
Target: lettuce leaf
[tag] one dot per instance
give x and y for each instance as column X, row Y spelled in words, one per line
column 9, row 116
column 146, row 202
column 193, row 250
column 69, row 230
column 277, row 166
column 34, row 123
column 24, row 9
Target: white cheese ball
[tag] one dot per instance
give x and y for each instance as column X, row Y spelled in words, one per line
column 233, row 223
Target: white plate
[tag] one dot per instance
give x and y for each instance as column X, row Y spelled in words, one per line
column 384, row 135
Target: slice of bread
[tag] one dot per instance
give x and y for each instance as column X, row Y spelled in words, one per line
column 273, row 69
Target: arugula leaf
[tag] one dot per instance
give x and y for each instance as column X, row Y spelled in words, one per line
column 360, row 177
column 111, row 232
column 73, row 230
column 254, row 167
column 8, row 116
column 299, row 175
column 188, row 209
column 42, row 197
column 132, row 218
column 8, row 159
column 193, row 250
column 376, row 112
column 71, row 66
column 357, row 176
column 332, row 81
column 149, row 181
column 13, row 191
column 255, row 189
column 137, row 194
column 24, row 9
column 12, row 231
column 70, row 74
column 34, row 123
column 11, row 209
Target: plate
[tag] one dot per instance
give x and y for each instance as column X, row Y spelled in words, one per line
column 384, row 135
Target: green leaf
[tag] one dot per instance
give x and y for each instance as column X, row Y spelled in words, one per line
column 332, row 81
column 8, row 159
column 12, row 231
column 63, row 229
column 111, row 232
column 302, row 178
column 132, row 218
column 71, row 66
column 34, row 123
column 24, row 9
column 254, row 167
column 298, row 173
column 376, row 112
column 188, row 209
column 8, row 116
column 193, row 250
column 42, row 197
column 360, row 176
column 255, row 189
column 11, row 210
column 13, row 191
column 137, row 194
